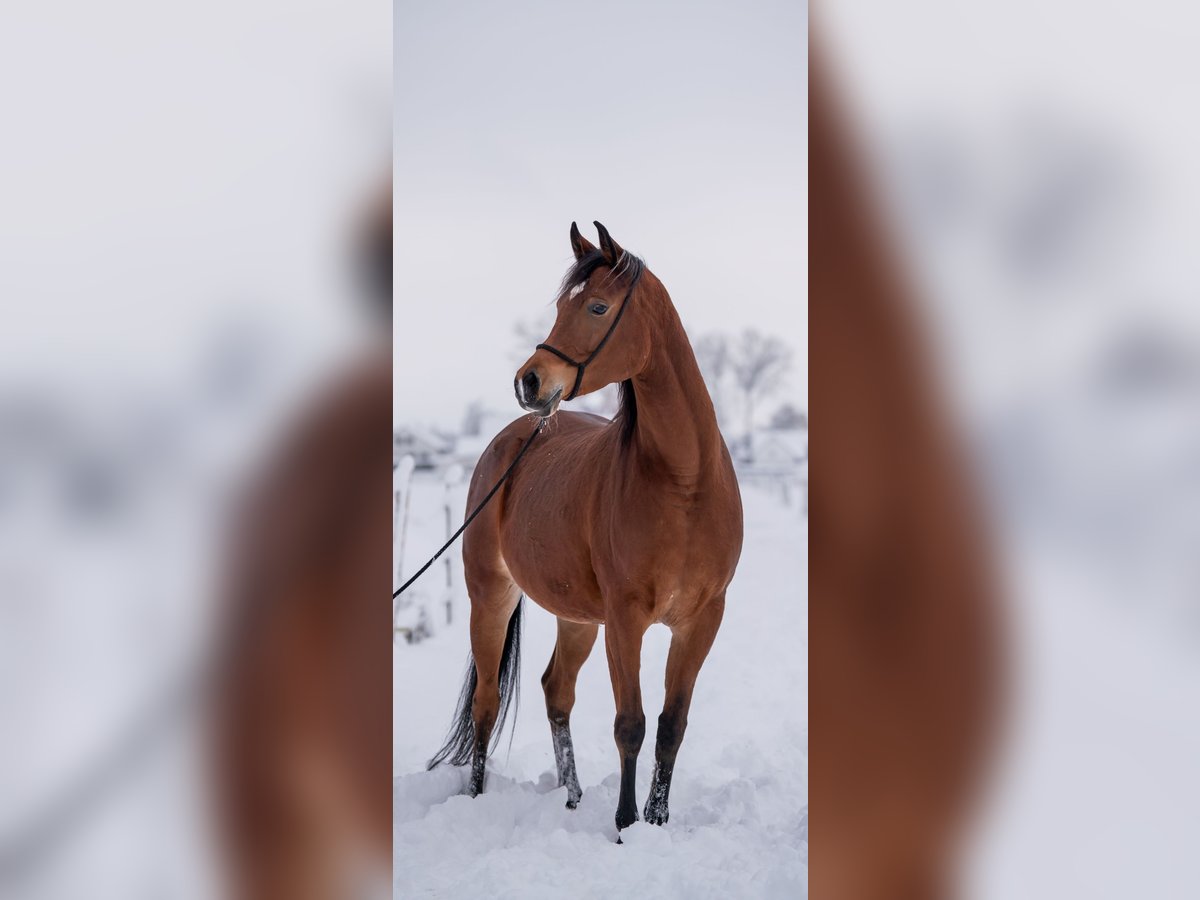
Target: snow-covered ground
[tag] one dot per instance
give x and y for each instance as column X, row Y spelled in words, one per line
column 739, row 801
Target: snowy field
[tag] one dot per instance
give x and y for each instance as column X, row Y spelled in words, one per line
column 739, row 801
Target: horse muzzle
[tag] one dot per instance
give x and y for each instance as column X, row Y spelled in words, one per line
column 535, row 395
column 527, row 395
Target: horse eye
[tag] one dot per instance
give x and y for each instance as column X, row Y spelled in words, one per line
column 598, row 309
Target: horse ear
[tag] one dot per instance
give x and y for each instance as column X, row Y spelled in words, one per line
column 581, row 245
column 611, row 250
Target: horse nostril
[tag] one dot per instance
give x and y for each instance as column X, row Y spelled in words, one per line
column 530, row 385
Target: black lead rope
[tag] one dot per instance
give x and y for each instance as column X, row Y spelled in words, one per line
column 581, row 366
column 478, row 509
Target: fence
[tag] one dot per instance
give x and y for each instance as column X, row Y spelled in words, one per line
column 431, row 602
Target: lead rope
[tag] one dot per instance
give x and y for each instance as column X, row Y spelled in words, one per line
column 478, row 509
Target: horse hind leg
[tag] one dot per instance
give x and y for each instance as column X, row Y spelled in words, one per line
column 690, row 644
column 491, row 684
column 495, row 646
column 572, row 648
column 492, row 677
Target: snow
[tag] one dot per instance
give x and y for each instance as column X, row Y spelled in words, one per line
column 739, row 801
column 1097, row 786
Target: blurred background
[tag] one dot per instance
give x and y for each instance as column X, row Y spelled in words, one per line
column 1037, row 164
column 183, row 194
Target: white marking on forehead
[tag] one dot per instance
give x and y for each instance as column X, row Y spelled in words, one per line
column 577, row 290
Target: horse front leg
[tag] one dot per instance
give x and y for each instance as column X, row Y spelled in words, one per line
column 623, row 642
column 690, row 643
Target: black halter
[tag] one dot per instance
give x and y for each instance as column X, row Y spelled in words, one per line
column 581, row 366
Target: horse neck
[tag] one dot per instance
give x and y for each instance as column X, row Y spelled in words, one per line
column 676, row 424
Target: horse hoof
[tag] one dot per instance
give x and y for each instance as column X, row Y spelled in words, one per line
column 656, row 813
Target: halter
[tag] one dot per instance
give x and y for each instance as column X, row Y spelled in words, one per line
column 581, row 366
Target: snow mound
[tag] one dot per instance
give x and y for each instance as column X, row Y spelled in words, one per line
column 727, row 837
column 739, row 801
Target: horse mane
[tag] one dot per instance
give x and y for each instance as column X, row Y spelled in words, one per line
column 627, row 411
column 628, row 266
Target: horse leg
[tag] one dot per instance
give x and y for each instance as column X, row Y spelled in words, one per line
column 491, row 609
column 690, row 643
column 623, row 642
column 574, row 643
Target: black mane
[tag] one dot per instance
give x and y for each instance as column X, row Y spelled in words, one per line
column 627, row 414
column 628, row 267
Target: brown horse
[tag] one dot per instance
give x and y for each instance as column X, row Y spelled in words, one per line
column 622, row 523
column 905, row 662
column 302, row 705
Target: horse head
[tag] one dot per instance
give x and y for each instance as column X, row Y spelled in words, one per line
column 585, row 351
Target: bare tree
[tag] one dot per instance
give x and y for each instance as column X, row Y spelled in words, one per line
column 529, row 334
column 788, row 417
column 759, row 364
column 713, row 355
column 472, row 422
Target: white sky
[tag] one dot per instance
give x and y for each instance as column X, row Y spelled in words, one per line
column 168, row 172
column 682, row 127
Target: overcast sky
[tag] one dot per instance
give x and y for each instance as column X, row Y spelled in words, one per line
column 681, row 127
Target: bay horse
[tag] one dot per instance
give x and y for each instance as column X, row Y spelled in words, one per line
column 301, row 709
column 622, row 523
column 905, row 614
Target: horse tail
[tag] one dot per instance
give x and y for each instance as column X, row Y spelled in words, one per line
column 460, row 740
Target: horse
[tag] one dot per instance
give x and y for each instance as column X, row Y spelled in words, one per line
column 301, row 708
column 622, row 523
column 904, row 617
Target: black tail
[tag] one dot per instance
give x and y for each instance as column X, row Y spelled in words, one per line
column 460, row 740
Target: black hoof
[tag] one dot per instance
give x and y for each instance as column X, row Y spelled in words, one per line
column 626, row 819
column 655, row 811
column 574, row 795
column 478, row 775
column 475, row 788
column 656, row 816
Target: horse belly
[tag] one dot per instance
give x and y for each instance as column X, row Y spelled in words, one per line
column 551, row 569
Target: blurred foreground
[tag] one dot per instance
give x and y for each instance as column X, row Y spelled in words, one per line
column 185, row 272
column 1035, row 176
